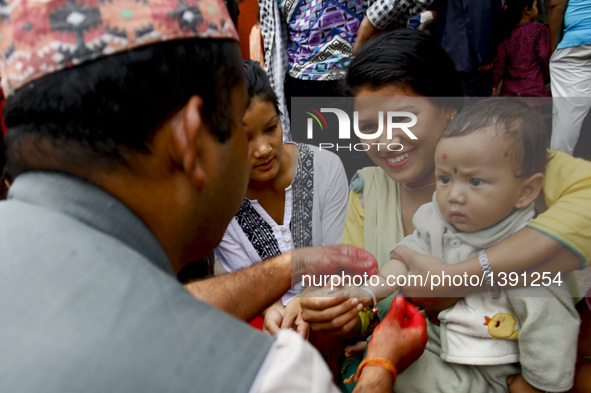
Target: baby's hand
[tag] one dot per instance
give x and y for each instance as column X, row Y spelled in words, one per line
column 362, row 295
column 357, row 349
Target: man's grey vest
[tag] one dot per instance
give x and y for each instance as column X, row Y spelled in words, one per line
column 88, row 302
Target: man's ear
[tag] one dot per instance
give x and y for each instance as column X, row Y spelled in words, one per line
column 186, row 128
column 530, row 190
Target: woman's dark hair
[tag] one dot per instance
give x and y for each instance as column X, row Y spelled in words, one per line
column 406, row 58
column 257, row 83
column 98, row 112
column 512, row 118
column 512, row 14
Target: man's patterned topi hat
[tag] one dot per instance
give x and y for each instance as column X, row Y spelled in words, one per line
column 39, row 37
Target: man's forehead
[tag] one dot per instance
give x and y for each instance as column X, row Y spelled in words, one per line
column 39, row 37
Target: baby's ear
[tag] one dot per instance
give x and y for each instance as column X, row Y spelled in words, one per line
column 530, row 190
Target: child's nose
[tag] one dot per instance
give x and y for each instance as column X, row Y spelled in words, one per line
column 456, row 194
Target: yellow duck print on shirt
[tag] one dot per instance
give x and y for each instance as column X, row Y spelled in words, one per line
column 502, row 326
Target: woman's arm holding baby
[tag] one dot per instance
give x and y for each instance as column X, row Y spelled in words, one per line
column 544, row 254
column 558, row 240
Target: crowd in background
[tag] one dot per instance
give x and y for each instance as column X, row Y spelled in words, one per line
column 499, row 47
column 513, row 48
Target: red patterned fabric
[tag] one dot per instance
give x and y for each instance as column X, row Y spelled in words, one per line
column 522, row 61
column 42, row 37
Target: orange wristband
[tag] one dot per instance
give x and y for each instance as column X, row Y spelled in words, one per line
column 381, row 362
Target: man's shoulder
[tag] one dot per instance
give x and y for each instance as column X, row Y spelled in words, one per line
column 85, row 309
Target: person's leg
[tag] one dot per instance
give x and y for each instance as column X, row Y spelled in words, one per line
column 570, row 72
column 583, row 367
column 477, row 84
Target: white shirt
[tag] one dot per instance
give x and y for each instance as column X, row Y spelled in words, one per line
column 329, row 205
column 293, row 365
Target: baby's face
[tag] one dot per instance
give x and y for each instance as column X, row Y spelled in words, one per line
column 476, row 182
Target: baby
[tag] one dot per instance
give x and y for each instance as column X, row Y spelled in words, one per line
column 489, row 168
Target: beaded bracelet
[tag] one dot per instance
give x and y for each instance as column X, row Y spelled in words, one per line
column 385, row 363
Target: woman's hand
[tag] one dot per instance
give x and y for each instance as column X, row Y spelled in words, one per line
column 333, row 314
column 289, row 317
column 274, row 317
column 401, row 337
column 293, row 318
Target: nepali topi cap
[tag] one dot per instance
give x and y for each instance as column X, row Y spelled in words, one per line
column 40, row 37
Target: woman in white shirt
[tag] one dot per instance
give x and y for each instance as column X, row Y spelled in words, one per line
column 296, row 196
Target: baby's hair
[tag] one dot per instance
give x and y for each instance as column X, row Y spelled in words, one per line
column 257, row 84
column 510, row 117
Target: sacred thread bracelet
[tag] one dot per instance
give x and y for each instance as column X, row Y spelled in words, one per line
column 381, row 362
